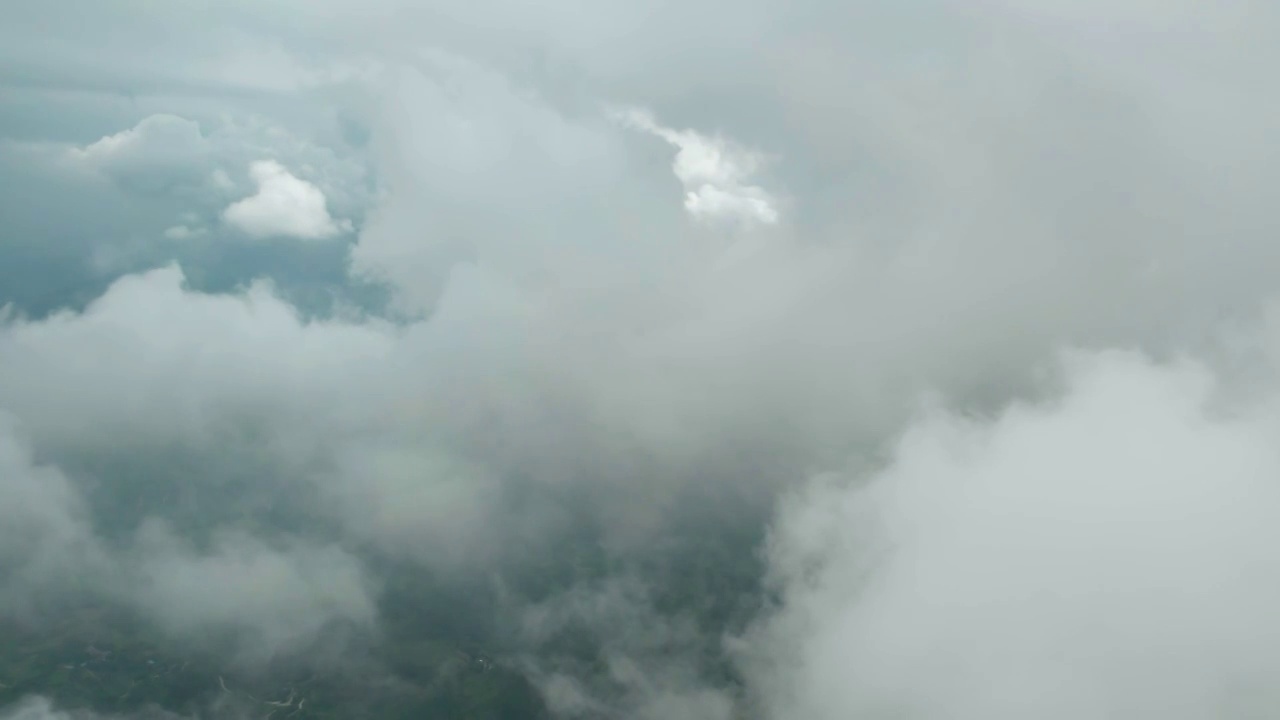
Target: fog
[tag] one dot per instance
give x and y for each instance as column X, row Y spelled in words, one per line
column 811, row 359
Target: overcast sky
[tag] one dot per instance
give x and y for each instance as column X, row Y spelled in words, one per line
column 964, row 311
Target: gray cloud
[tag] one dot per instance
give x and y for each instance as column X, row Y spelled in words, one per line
column 953, row 194
column 1103, row 553
column 39, row 708
column 281, row 597
column 283, row 205
column 84, row 214
column 45, row 524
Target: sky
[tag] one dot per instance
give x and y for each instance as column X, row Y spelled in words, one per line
column 955, row 321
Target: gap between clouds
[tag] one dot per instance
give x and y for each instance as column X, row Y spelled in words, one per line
column 166, row 153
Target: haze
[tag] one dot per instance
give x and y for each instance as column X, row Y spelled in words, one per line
column 697, row 361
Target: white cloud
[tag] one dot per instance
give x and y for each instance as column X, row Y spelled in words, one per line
column 275, row 594
column 1109, row 554
column 164, row 353
column 158, row 154
column 982, row 183
column 44, row 534
column 715, row 173
column 455, row 139
column 284, row 205
column 156, row 138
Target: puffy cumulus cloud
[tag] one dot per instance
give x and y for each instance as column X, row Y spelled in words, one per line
column 154, row 193
column 284, row 205
column 171, row 364
column 714, row 173
column 176, row 155
column 1104, row 553
column 353, row 421
column 157, row 153
column 587, row 393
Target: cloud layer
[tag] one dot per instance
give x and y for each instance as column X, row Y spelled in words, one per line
column 757, row 384
column 1103, row 553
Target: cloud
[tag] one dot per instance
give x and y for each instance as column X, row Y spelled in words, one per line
column 284, row 205
column 584, row 395
column 182, row 232
column 161, row 151
column 86, row 213
column 41, row 708
column 715, row 174
column 1105, row 553
column 168, row 355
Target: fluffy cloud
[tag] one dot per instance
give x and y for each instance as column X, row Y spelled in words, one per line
column 154, row 193
column 284, row 205
column 159, row 152
column 715, row 175
column 591, row 394
column 256, row 584
column 1104, row 553
column 457, row 138
column 45, row 534
column 40, row 708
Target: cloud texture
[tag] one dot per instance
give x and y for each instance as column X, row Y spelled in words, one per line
column 870, row 361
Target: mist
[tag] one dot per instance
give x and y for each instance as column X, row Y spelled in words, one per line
column 705, row 361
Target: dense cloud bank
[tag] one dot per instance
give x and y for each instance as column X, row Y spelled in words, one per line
column 1108, row 552
column 805, row 359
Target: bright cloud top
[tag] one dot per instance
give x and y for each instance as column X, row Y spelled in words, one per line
column 715, row 173
column 285, row 205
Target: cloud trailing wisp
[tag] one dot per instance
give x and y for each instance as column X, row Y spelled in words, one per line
column 684, row 361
